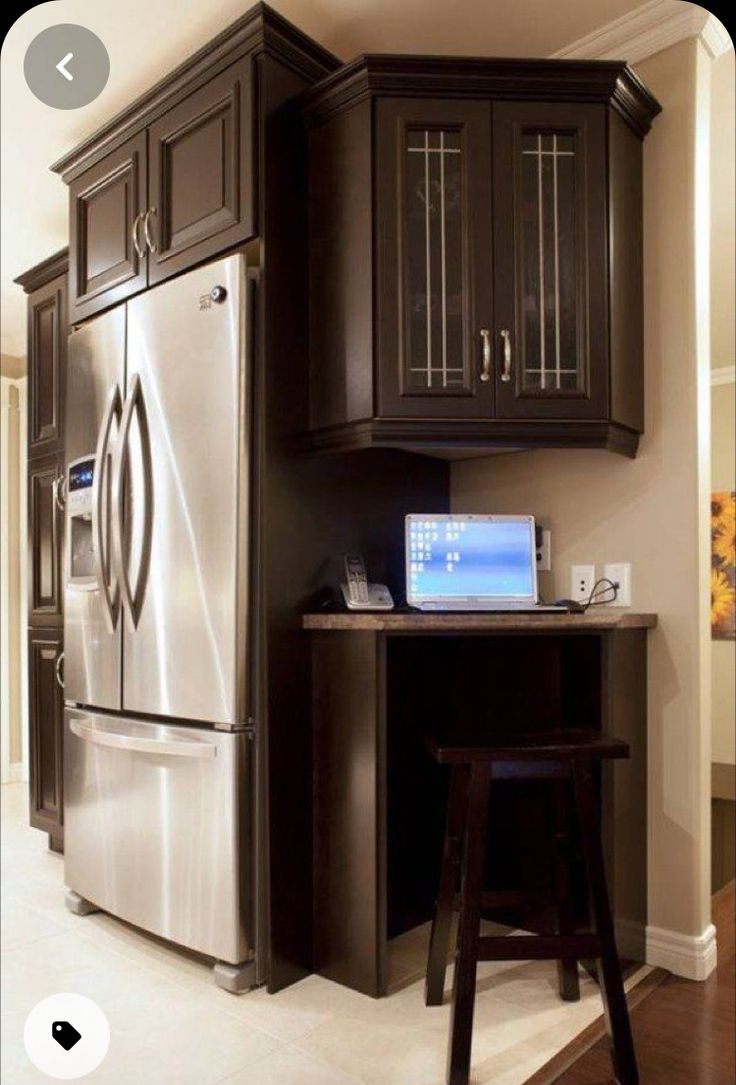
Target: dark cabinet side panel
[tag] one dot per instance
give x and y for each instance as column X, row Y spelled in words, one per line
column 47, row 335
column 341, row 269
column 106, row 206
column 45, row 713
column 201, row 174
column 45, row 540
column 625, row 231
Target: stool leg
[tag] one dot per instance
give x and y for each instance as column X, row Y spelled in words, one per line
column 442, row 919
column 567, row 968
column 612, row 987
column 466, row 956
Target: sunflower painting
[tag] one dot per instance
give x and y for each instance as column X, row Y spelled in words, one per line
column 723, row 566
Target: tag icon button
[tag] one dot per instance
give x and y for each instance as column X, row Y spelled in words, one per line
column 65, row 1034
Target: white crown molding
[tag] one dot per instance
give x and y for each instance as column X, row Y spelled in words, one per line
column 725, row 375
column 647, row 29
column 691, row 956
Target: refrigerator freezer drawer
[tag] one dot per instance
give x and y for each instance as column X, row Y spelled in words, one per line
column 158, row 828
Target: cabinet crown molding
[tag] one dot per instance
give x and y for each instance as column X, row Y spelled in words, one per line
column 648, row 29
column 261, row 30
column 373, row 75
column 42, row 273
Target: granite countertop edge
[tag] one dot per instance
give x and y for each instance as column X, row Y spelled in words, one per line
column 377, row 622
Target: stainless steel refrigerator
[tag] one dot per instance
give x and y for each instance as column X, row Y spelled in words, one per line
column 159, row 771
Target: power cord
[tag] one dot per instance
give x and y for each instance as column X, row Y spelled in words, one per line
column 593, row 598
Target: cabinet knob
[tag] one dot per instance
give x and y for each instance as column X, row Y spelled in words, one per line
column 150, row 241
column 506, row 371
column 485, row 338
column 134, row 236
column 58, row 671
column 59, row 489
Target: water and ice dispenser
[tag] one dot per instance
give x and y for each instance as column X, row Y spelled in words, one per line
column 80, row 482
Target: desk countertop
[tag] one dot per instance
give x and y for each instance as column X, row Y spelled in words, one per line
column 601, row 619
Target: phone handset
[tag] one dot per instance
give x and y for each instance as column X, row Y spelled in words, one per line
column 357, row 593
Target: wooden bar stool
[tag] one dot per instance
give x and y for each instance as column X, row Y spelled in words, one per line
column 562, row 755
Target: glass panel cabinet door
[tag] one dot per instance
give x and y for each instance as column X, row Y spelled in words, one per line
column 550, row 348
column 433, row 183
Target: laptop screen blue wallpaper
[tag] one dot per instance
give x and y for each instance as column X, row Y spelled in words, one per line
column 454, row 558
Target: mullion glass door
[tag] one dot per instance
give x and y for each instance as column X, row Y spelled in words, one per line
column 549, row 259
column 434, row 196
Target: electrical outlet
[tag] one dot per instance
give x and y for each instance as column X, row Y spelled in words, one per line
column 544, row 552
column 619, row 573
column 582, row 580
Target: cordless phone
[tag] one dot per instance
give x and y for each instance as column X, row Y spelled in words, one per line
column 357, row 593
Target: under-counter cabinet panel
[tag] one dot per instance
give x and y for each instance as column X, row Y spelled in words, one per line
column 483, row 303
column 45, row 710
column 200, row 174
column 108, row 260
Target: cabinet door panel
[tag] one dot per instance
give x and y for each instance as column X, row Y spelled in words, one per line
column 45, row 535
column 550, row 260
column 45, row 710
column 201, row 174
column 104, row 266
column 433, row 176
column 47, row 334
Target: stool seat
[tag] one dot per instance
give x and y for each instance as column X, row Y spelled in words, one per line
column 464, row 749
column 565, row 761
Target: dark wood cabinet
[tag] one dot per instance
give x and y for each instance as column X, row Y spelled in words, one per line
column 45, row 715
column 108, row 260
column 181, row 190
column 551, row 312
column 47, row 331
column 463, row 295
column 200, row 174
column 47, row 287
column 433, row 177
column 45, row 540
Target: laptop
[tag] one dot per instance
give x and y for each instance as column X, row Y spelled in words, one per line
column 470, row 562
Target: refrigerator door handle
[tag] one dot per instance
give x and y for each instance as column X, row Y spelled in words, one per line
column 118, row 740
column 133, row 600
column 110, row 592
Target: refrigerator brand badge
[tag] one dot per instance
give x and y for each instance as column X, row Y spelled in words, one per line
column 205, row 301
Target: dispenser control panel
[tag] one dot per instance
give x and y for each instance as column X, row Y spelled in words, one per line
column 80, row 477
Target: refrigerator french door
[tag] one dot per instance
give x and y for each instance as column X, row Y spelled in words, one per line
column 157, row 599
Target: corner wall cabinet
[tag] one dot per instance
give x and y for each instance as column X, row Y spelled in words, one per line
column 475, row 254
column 46, row 287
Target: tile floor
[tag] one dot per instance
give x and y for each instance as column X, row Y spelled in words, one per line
column 171, row 1026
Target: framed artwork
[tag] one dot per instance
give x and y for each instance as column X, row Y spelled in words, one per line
column 723, row 565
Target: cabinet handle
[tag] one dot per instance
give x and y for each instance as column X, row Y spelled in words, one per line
column 60, row 492
column 147, row 229
column 485, row 338
column 57, row 669
column 506, row 371
column 134, row 236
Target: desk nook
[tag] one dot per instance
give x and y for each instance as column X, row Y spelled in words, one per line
column 381, row 685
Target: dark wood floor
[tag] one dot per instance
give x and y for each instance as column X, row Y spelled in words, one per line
column 684, row 1031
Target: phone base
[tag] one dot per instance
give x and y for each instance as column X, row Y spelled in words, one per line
column 379, row 598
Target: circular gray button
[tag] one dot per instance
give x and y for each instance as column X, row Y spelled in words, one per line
column 66, row 66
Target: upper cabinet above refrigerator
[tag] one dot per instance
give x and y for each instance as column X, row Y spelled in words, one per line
column 174, row 180
column 476, row 255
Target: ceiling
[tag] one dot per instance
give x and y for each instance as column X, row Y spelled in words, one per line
column 146, row 39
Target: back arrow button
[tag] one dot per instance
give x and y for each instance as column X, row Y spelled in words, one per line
column 61, row 66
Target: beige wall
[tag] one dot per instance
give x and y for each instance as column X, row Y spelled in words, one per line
column 12, row 615
column 723, row 211
column 651, row 511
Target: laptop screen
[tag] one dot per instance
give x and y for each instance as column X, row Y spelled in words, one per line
column 470, row 558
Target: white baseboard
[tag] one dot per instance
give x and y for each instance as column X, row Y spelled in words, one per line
column 691, row 956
